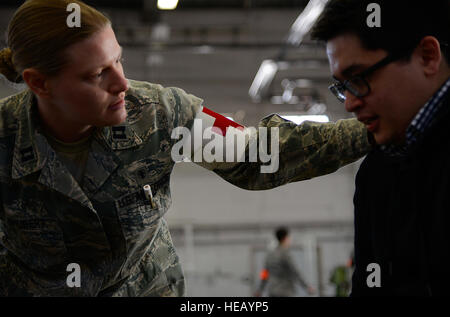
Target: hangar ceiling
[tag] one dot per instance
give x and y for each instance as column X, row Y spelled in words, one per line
column 192, row 4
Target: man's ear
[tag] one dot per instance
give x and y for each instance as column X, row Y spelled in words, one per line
column 37, row 82
column 429, row 51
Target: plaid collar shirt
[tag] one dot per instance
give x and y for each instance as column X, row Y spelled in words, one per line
column 424, row 119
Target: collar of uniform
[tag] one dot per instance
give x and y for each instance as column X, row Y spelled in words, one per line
column 32, row 153
column 121, row 136
column 30, row 149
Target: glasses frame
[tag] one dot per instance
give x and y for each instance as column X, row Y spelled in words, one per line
column 338, row 88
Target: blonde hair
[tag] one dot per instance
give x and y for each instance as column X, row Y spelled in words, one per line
column 38, row 35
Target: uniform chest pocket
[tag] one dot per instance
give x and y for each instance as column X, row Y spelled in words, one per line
column 137, row 214
column 33, row 235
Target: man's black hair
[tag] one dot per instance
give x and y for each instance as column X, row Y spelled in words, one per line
column 403, row 24
column 281, row 233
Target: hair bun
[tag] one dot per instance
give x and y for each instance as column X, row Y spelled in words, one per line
column 7, row 67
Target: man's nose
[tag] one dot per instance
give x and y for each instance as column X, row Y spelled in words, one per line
column 352, row 103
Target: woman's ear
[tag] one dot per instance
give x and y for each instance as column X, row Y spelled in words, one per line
column 37, row 82
column 430, row 56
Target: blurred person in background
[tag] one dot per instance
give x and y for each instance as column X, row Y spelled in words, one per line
column 341, row 277
column 280, row 274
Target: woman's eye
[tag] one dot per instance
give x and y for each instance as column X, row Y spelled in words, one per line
column 98, row 75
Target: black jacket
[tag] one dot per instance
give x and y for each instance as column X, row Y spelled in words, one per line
column 402, row 217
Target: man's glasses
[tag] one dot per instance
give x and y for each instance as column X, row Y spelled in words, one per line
column 358, row 85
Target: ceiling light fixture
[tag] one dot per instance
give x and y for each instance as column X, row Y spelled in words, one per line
column 305, row 21
column 263, row 79
column 167, row 4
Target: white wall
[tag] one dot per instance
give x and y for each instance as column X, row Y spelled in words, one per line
column 202, row 197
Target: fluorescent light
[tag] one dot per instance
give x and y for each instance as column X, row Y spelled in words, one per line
column 263, row 79
column 305, row 21
column 204, row 49
column 298, row 119
column 167, row 4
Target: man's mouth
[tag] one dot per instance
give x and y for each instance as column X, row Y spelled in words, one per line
column 371, row 123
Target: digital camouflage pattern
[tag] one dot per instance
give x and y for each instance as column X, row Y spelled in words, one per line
column 107, row 226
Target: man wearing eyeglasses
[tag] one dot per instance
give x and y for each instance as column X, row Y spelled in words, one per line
column 395, row 78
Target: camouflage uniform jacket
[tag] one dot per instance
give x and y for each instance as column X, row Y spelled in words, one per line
column 107, row 226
